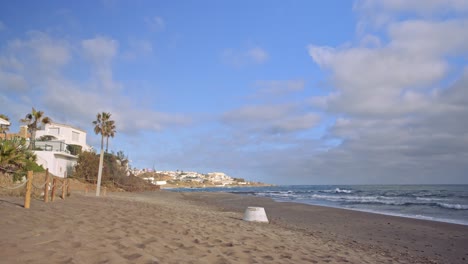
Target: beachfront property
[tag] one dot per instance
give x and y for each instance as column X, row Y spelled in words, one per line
column 57, row 147
column 4, row 124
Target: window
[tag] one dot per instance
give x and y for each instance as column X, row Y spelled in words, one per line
column 75, row 136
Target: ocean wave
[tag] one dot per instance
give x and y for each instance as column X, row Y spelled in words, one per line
column 430, row 199
column 277, row 194
column 453, row 206
column 401, row 203
column 382, row 200
column 349, row 198
column 337, row 190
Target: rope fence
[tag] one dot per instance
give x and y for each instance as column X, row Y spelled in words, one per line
column 47, row 188
column 15, row 187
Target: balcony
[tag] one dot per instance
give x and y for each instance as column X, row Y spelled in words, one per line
column 57, row 146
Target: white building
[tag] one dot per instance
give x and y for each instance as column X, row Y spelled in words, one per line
column 64, row 133
column 55, row 153
column 4, row 122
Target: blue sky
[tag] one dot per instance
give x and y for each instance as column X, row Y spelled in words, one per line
column 304, row 92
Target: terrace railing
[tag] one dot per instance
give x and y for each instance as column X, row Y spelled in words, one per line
column 59, row 146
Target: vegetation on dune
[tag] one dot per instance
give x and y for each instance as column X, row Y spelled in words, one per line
column 114, row 173
column 16, row 158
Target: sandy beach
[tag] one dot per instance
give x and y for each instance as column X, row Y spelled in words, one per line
column 168, row 227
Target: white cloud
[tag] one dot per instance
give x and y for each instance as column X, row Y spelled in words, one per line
column 51, row 54
column 375, row 14
column 11, row 82
column 400, row 120
column 138, row 48
column 257, row 55
column 26, row 63
column 271, row 118
column 148, row 121
column 278, row 87
column 430, row 38
column 238, row 58
column 373, row 80
column 31, row 74
column 100, row 51
column 421, row 7
column 387, row 79
column 156, row 23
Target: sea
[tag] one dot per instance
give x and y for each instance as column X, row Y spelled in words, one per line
column 444, row 203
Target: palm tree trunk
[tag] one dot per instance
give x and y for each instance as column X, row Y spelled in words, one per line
column 32, row 139
column 107, row 143
column 101, row 161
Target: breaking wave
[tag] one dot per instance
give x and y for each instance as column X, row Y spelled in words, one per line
column 338, row 190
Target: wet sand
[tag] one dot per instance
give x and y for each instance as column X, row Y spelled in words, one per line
column 166, row 227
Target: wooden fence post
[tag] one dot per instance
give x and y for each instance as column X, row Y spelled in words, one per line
column 68, row 188
column 46, row 187
column 27, row 196
column 54, row 186
column 64, row 189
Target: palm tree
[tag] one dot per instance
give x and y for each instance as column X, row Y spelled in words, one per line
column 101, row 126
column 4, row 128
column 110, row 132
column 13, row 154
column 34, row 120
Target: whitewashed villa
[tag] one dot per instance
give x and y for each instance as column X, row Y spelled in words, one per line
column 57, row 147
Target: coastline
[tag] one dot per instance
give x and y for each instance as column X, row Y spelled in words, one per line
column 413, row 201
column 171, row 227
column 439, row 241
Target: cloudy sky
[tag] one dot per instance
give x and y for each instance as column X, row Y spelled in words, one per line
column 285, row 92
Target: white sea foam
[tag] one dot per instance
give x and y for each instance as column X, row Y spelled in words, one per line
column 453, row 206
column 430, row 199
column 358, row 199
column 338, row 190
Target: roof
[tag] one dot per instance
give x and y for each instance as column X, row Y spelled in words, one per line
column 64, row 125
column 4, row 122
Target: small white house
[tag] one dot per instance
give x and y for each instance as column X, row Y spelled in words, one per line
column 54, row 153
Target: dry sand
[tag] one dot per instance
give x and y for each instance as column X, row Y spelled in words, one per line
column 166, row 227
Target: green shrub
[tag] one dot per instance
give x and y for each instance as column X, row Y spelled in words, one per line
column 114, row 174
column 74, row 149
column 33, row 166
